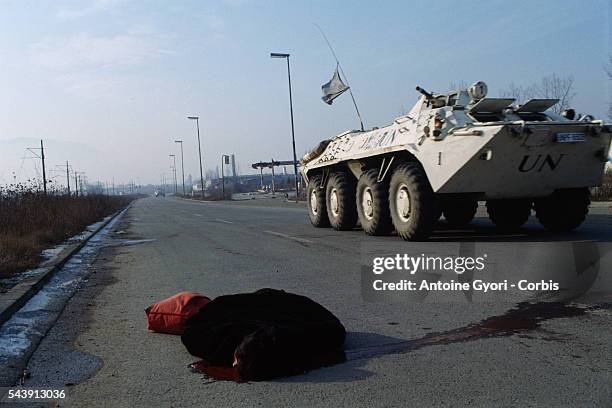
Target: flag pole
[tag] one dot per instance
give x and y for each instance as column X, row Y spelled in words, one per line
column 343, row 74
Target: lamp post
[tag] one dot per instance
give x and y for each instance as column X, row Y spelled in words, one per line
column 182, row 164
column 174, row 169
column 286, row 56
column 224, row 159
column 197, row 119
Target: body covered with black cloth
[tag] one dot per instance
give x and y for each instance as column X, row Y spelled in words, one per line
column 265, row 334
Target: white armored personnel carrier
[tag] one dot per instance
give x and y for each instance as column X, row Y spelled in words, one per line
column 450, row 151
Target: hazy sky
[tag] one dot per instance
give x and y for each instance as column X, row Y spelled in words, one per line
column 108, row 83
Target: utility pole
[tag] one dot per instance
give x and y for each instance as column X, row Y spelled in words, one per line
column 197, row 119
column 174, row 170
column 224, row 159
column 68, row 178
column 76, row 184
column 42, row 156
column 182, row 164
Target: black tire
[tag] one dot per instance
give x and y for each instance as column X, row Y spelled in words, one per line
column 509, row 214
column 340, row 201
column 315, row 201
column 373, row 204
column 412, row 202
column 564, row 210
column 459, row 212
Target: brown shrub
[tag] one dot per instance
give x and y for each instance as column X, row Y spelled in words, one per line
column 31, row 221
column 604, row 192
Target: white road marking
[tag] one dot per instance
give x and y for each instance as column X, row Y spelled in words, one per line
column 198, row 215
column 280, row 234
column 225, row 221
column 479, row 236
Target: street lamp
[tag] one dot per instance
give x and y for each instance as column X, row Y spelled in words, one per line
column 174, row 169
column 286, row 56
column 182, row 165
column 197, row 119
column 224, row 159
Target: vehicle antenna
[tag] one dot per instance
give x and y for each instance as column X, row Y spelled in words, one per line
column 342, row 72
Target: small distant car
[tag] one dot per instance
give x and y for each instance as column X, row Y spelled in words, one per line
column 160, row 193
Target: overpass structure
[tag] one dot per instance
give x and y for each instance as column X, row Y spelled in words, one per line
column 271, row 165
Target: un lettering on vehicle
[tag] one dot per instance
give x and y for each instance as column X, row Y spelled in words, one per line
column 539, row 162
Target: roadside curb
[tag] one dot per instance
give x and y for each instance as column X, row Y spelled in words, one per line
column 601, row 204
column 199, row 201
column 18, row 295
column 195, row 200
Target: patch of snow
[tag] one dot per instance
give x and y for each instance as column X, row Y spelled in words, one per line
column 15, row 279
column 29, row 325
column 50, row 254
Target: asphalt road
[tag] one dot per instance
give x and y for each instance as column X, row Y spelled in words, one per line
column 100, row 350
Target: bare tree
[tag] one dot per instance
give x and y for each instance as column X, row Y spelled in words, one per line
column 453, row 86
column 211, row 174
column 550, row 87
column 555, row 87
column 520, row 93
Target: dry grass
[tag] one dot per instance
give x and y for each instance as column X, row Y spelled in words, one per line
column 603, row 193
column 31, row 222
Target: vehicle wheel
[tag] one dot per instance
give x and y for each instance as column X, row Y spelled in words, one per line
column 564, row 210
column 373, row 204
column 509, row 214
column 459, row 212
column 340, row 201
column 412, row 202
column 317, row 210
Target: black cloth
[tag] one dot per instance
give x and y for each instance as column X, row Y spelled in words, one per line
column 308, row 333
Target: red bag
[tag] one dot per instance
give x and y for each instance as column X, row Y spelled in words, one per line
column 170, row 315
